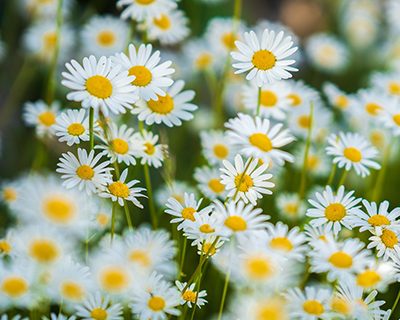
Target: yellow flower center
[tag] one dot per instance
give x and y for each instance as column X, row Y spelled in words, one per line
column 261, row 141
column 373, row 108
column 72, row 291
column 114, row 279
column 263, row 60
column 206, row 228
column 163, row 22
column 85, row 172
column 216, row 186
column 9, row 194
column 102, row 219
column 149, row 148
column 353, row 154
column 141, row 257
column 145, row 2
column 378, row 220
column 342, row 102
column 204, row 60
column 188, row 213
column 47, row 118
column 281, row 243
column 98, row 314
column 14, row 286
column 313, row 307
column 335, row 212
column 396, row 119
column 163, row 105
column 5, row 247
column 44, row 251
column 341, row 260
column 236, row 223
column 340, row 306
column 50, row 40
column 106, row 38
column 228, row 39
column 190, row 296
column 75, row 129
column 377, row 138
column 142, row 74
column 243, row 182
column 389, row 238
column 59, row 209
column 295, row 99
column 368, row 278
column 119, row 189
column 99, row 87
column 220, row 151
column 120, row 146
column 304, row 121
column 313, row 162
column 268, row 98
column 270, row 313
column 292, row 208
column 394, row 88
column 156, row 303
column 259, row 268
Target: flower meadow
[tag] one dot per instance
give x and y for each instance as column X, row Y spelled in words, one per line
column 166, row 159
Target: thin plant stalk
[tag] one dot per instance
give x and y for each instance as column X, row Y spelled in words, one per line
column 331, row 175
column 153, row 213
column 343, row 178
column 91, row 125
column 128, row 215
column 224, row 292
column 113, row 212
column 396, row 301
column 259, row 101
column 382, row 174
column 182, row 258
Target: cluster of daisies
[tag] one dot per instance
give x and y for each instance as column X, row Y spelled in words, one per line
column 287, row 201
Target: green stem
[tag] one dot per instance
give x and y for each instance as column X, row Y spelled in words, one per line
column 147, row 178
column 343, row 178
column 91, row 125
column 128, row 215
column 303, row 179
column 395, row 304
column 259, row 102
column 382, row 174
column 237, row 12
column 113, row 212
column 182, row 258
column 221, row 306
column 331, row 175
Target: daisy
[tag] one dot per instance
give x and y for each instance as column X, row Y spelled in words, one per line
column 318, row 163
column 376, row 275
column 140, row 10
column 333, row 209
column 99, row 306
column 256, row 137
column 337, row 98
column 72, row 127
column 259, row 306
column 156, row 299
column 41, row 116
column 10, row 192
column 210, row 246
column 327, row 53
column 246, row 181
column 274, row 100
column 290, row 205
column 185, row 211
column 189, row 296
column 372, row 102
column 376, row 217
column 312, row 304
column 388, row 82
column 59, row 316
column 169, row 109
column 175, row 189
column 239, row 218
column 200, row 55
column 150, row 78
column 216, row 147
column 317, row 235
column 202, row 227
column 7, row 244
column 84, row 171
column 104, row 36
column 301, row 94
column 385, row 241
column 209, row 182
column 265, row 59
column 341, row 260
column 120, row 144
column 43, row 9
column 151, row 152
column 169, row 27
column 121, row 191
column 99, row 84
column 352, row 151
column 390, row 116
column 395, row 259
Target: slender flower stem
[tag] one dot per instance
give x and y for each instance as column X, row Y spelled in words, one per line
column 91, row 125
column 153, row 213
column 128, row 215
column 259, row 102
column 343, row 178
column 331, row 175
column 382, row 174
column 182, row 258
column 237, row 12
column 303, row 179
column 221, row 306
column 395, row 304
column 113, row 212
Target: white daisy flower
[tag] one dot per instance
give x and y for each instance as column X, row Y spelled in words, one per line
column 121, row 191
column 246, row 181
column 210, row 246
column 41, row 116
column 99, row 306
column 59, row 316
column 200, row 55
column 385, row 241
column 43, row 9
column 120, row 144
column 150, row 78
column 274, row 100
column 104, row 36
column 376, row 275
column 202, row 227
column 185, row 211
column 388, row 82
column 317, row 235
column 312, row 304
column 333, row 209
column 390, row 116
column 72, row 127
column 99, row 84
column 152, row 152
column 140, row 10
column 371, row 102
column 169, row 109
column 318, row 163
column 301, row 94
column 350, row 150
column 341, row 260
column 156, row 299
column 395, row 260
column 256, row 137
column 209, row 182
column 175, row 189
column 169, row 27
column 189, row 296
column 84, row 172
column 290, row 206
column 7, row 244
column 337, row 98
column 266, row 59
column 240, row 219
column 216, row 147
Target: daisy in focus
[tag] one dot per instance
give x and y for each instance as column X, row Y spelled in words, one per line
column 72, row 127
column 190, row 296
